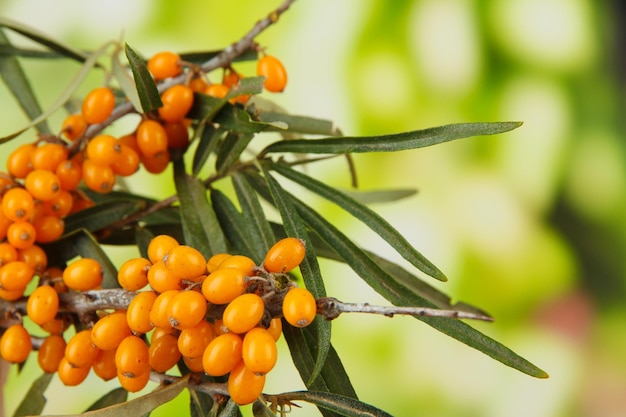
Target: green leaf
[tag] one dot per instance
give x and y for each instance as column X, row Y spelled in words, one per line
column 377, row 278
column 125, row 80
column 146, row 87
column 260, row 233
column 141, row 405
column 247, row 85
column 380, row 196
column 34, row 401
column 340, row 404
column 45, row 40
column 102, row 215
column 260, row 409
column 115, row 396
column 200, row 225
column 294, row 226
column 200, row 403
column 237, row 119
column 16, row 81
column 230, row 410
column 233, row 223
column 90, row 62
column 204, row 56
column 366, row 215
column 231, row 149
column 14, row 51
column 390, row 143
column 205, row 107
column 300, row 124
column 209, row 138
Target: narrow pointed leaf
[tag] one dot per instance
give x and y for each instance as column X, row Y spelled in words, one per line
column 16, row 81
column 237, row 119
column 209, row 138
column 340, row 404
column 14, row 51
column 300, row 124
column 200, row 226
column 125, row 80
column 231, row 149
column 231, row 409
column 143, row 237
column 247, row 85
column 146, row 87
column 366, row 215
column 200, row 403
column 205, row 107
column 44, row 39
column 233, row 224
column 102, row 215
column 34, row 401
column 115, row 396
column 391, row 143
column 380, row 196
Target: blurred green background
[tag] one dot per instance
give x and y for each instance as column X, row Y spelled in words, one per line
column 527, row 225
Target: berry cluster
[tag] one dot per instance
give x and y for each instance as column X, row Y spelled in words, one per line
column 221, row 316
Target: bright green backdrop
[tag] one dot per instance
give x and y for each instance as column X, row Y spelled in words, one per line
column 528, row 225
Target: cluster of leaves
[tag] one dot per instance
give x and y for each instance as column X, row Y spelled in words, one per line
column 204, row 216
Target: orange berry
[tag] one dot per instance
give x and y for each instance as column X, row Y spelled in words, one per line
column 80, row 352
column 104, row 365
column 218, row 327
column 217, row 90
column 161, row 331
column 160, row 314
column 129, row 140
column 163, row 353
column 151, row 137
column 161, row 279
column 55, row 326
column 138, row 313
column 48, row 156
column 35, row 257
column 15, row 344
column 187, row 309
column 198, row 84
column 103, row 150
column 224, row 285
column 74, row 126
column 48, row 228
column 5, row 222
column 42, row 184
column 110, row 330
column 275, row 328
column 155, row 164
column 159, row 246
column 185, row 262
column 81, row 202
column 127, row 162
column 214, row 261
column 18, row 205
column 194, row 364
column 242, row 262
column 133, row 274
column 135, row 383
column 243, row 313
column 177, row 135
column 231, row 77
column 177, row 101
column 259, row 351
column 71, row 375
column 21, row 235
column 244, row 386
column 7, row 253
column 299, row 307
column 193, row 341
column 284, row 255
column 70, row 174
column 99, row 178
column 131, row 357
column 11, row 295
column 43, row 304
column 15, row 275
column 83, row 274
column 18, row 163
column 51, row 352
column 98, row 105
column 274, row 72
column 222, row 354
column 61, row 205
column 164, row 65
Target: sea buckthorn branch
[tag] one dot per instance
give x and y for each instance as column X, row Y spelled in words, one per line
column 221, row 60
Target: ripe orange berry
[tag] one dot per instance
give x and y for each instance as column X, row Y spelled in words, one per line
column 284, row 255
column 218, row 327
column 43, row 304
column 69, row 173
column 187, row 309
column 127, row 162
column 110, row 330
column 138, row 313
column 80, row 352
column 244, row 386
column 193, row 341
column 164, row 65
column 217, row 90
column 231, row 77
column 72, row 375
column 7, row 253
column 177, row 101
column 55, row 326
column 103, row 150
column 275, row 328
column 160, row 314
column 299, row 307
column 194, row 364
column 159, row 246
column 48, row 156
column 224, row 285
column 185, row 262
column 83, row 274
column 48, row 228
column 11, row 295
column 15, row 275
column 131, row 357
column 5, row 222
column 18, row 204
column 151, row 137
column 164, row 353
column 214, row 261
column 51, row 352
column 198, row 84
column 243, row 313
column 135, row 383
column 61, row 205
column 242, row 262
column 177, row 135
column 35, row 257
column 74, row 126
column 155, row 164
column 274, row 72
column 99, row 178
column 98, row 105
column 21, row 235
column 81, row 202
column 161, row 279
column 18, row 163
column 133, row 274
column 259, row 351
column 15, row 344
column 42, row 184
column 222, row 354
column 104, row 365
